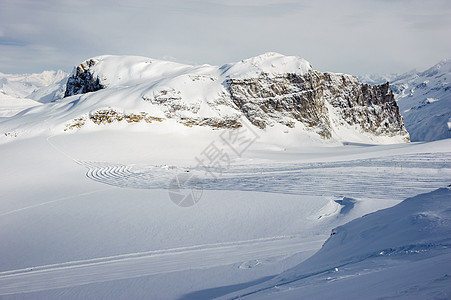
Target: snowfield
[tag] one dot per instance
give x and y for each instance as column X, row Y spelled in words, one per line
column 89, row 215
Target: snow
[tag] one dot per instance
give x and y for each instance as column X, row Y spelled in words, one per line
column 374, row 79
column 424, row 101
column 84, row 227
column 401, row 252
column 270, row 63
column 42, row 87
column 9, row 106
column 122, row 70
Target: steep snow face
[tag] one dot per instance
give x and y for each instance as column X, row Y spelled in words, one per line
column 42, row 87
column 268, row 91
column 424, row 99
column 361, row 257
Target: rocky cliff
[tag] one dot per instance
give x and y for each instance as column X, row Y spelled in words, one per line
column 316, row 99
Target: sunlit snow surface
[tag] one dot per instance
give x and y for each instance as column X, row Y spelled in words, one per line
column 361, row 178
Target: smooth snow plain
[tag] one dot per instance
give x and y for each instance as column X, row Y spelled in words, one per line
column 89, row 214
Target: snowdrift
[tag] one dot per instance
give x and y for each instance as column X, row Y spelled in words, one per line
column 361, row 258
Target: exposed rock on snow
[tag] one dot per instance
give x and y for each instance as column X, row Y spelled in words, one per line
column 266, row 90
column 82, row 80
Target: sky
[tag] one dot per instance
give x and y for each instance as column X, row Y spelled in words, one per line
column 346, row 36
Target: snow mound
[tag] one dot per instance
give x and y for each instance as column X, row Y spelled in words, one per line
column 368, row 249
column 271, row 64
column 124, row 70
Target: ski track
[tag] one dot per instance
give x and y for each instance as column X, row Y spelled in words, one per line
column 392, row 178
column 149, row 263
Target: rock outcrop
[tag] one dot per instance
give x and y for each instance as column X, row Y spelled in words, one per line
column 82, row 80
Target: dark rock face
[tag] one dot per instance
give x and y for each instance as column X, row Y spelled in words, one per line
column 317, row 100
column 82, row 80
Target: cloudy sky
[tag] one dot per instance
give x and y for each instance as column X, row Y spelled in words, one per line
column 349, row 36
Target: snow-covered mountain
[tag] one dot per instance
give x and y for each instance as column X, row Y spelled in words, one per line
column 424, row 99
column 42, row 87
column 375, row 79
column 269, row 91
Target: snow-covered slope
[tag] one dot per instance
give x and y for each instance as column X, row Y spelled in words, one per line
column 401, row 252
column 424, row 99
column 270, row 91
column 272, row 64
column 89, row 215
column 9, row 105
